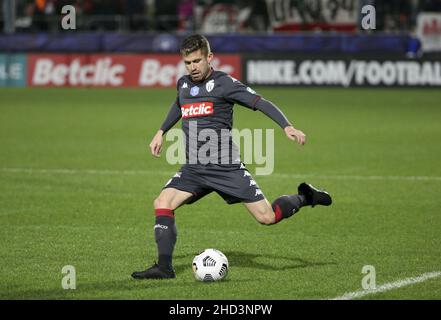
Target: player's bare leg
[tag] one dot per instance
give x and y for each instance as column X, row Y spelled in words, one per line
column 287, row 205
column 171, row 198
column 261, row 211
column 165, row 233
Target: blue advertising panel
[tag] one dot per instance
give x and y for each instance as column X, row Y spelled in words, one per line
column 13, row 70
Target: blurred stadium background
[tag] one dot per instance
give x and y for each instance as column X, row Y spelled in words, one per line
column 78, row 107
column 256, row 35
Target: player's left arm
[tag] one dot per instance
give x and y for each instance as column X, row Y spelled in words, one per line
column 273, row 112
column 243, row 95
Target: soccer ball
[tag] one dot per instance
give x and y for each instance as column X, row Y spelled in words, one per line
column 210, row 265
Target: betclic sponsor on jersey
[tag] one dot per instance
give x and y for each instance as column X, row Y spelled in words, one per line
column 197, row 109
column 343, row 72
column 115, row 70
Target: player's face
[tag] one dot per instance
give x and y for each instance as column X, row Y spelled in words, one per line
column 198, row 65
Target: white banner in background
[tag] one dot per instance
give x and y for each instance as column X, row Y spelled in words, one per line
column 429, row 31
column 312, row 14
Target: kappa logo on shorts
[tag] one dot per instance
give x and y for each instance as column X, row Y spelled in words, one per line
column 177, row 174
column 197, row 109
column 258, row 192
column 251, row 90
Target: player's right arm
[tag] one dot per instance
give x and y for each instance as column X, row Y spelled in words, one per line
column 173, row 116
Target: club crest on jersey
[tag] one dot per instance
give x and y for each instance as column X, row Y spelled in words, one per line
column 194, row 91
column 210, row 85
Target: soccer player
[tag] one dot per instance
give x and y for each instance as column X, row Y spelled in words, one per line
column 205, row 100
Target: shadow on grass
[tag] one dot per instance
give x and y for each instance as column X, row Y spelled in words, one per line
column 261, row 261
column 114, row 289
column 274, row 262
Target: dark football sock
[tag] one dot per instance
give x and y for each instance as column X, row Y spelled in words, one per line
column 286, row 206
column 165, row 236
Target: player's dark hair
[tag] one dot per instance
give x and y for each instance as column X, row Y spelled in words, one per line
column 195, row 42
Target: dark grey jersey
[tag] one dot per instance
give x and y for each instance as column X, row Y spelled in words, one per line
column 206, row 109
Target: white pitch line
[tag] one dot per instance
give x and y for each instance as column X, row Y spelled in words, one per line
column 353, row 177
column 389, row 286
column 82, row 171
column 167, row 173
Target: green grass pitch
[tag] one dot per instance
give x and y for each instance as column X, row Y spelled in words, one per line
column 78, row 182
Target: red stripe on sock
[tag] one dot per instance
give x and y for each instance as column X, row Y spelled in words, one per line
column 164, row 212
column 278, row 213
